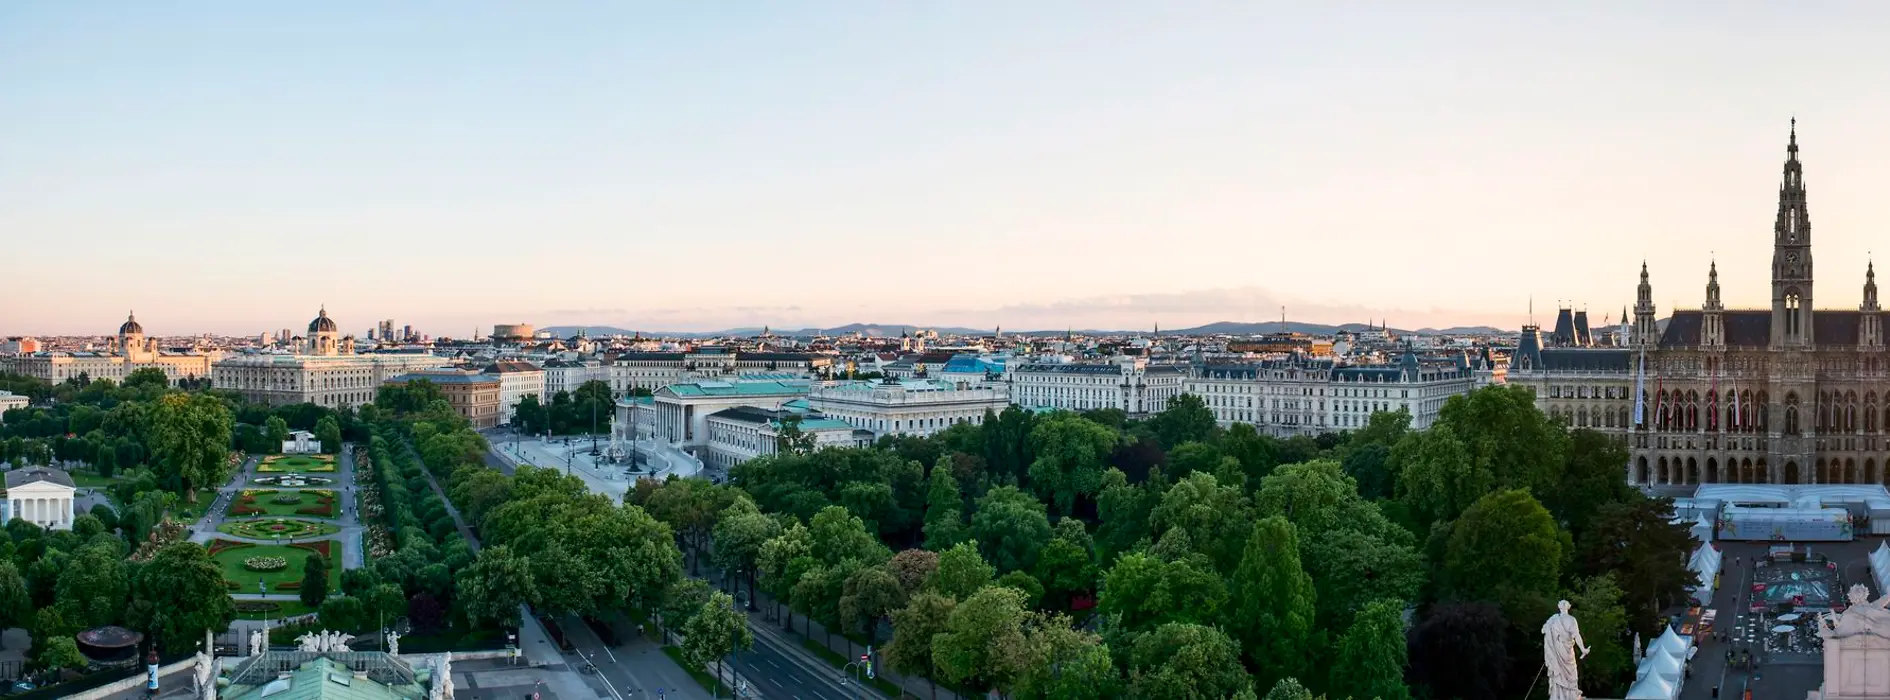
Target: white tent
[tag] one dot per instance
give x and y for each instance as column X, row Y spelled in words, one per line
column 1705, row 563
column 1663, row 664
column 1880, row 567
column 1653, row 687
column 1673, row 643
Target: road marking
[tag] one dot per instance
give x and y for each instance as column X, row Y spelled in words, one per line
column 772, row 663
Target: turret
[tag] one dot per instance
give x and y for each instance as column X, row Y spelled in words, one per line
column 1870, row 323
column 1712, row 325
column 1646, row 333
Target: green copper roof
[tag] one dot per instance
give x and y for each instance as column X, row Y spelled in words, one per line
column 705, row 389
column 323, row 679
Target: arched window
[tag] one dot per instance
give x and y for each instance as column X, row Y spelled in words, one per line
column 1791, row 414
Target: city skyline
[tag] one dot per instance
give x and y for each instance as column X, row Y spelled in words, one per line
column 228, row 168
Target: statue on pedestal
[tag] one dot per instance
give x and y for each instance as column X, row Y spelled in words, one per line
column 393, row 643
column 1863, row 616
column 1561, row 636
column 255, row 643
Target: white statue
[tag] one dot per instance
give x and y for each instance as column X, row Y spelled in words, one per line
column 324, row 641
column 255, row 642
column 1864, row 616
column 442, row 678
column 393, row 643
column 1561, row 636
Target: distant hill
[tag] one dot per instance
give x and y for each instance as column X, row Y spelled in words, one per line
column 890, row 330
column 873, row 330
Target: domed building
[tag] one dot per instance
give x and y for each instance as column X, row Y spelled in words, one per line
column 326, row 371
column 321, row 335
column 128, row 351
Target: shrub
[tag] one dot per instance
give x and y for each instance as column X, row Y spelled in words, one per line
column 257, row 606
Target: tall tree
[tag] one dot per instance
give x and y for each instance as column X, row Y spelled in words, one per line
column 1591, row 479
column 1187, row 662
column 1217, row 517
column 961, row 572
column 1436, row 478
column 1070, row 458
column 915, row 626
column 1507, row 436
column 982, row 646
column 1187, row 419
column 944, row 511
column 1350, row 568
column 328, row 432
column 867, row 597
column 1289, row 689
column 1065, row 663
column 1372, row 656
column 190, row 437
column 715, row 631
column 275, row 432
column 1460, row 650
column 1637, row 542
column 1010, row 527
column 1145, row 592
column 1006, row 441
column 314, row 580
column 740, row 532
column 1123, row 510
column 1273, row 603
column 1604, row 624
column 1067, row 566
column 1505, row 549
column 178, row 595
column 93, row 586
column 16, row 604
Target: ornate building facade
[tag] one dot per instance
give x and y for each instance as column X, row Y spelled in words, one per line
column 1792, row 394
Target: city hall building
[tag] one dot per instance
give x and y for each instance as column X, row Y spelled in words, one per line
column 1780, row 395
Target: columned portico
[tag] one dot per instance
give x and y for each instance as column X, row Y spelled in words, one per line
column 43, row 497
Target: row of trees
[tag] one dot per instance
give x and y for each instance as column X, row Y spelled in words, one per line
column 569, row 413
column 1178, row 559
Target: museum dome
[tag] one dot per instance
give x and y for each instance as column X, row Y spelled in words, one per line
column 322, row 324
column 131, row 325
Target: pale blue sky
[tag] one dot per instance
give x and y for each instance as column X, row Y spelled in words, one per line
column 230, row 166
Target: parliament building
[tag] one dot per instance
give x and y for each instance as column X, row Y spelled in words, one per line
column 1785, row 395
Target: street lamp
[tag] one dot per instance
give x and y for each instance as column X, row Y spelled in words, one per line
column 856, row 670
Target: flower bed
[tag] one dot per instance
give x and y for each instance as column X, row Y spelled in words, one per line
column 257, row 606
column 294, row 481
column 266, row 564
column 232, row 560
column 279, row 503
column 263, row 529
column 220, row 546
column 296, row 464
column 322, row 547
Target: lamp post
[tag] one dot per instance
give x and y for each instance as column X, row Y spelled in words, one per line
column 855, row 670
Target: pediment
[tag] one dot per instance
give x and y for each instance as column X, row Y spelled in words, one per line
column 39, row 488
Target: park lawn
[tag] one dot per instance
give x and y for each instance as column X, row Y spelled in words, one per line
column 91, row 480
column 296, row 464
column 261, row 502
column 284, row 608
column 266, row 528
column 230, row 559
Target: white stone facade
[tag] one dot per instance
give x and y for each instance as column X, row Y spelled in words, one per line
column 517, row 380
column 913, row 407
column 40, row 496
column 1128, row 384
column 334, row 381
column 1286, row 398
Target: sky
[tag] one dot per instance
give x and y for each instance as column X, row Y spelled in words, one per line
column 231, row 167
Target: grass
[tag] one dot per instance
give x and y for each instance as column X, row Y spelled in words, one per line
column 840, row 662
column 296, row 464
column 713, row 685
column 231, row 558
column 267, row 528
column 284, row 608
column 263, row 502
column 91, row 480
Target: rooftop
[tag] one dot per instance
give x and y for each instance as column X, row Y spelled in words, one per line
column 713, row 389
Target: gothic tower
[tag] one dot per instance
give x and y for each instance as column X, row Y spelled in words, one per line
column 1712, row 326
column 1870, row 326
column 1646, row 332
column 1791, row 257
